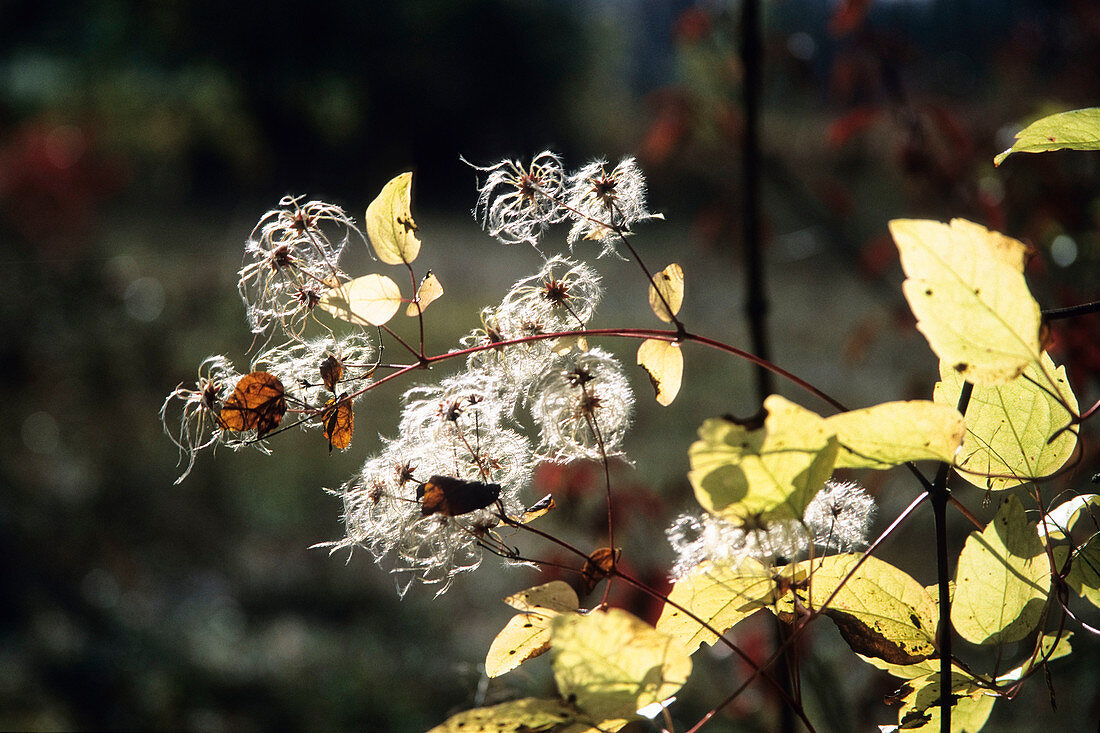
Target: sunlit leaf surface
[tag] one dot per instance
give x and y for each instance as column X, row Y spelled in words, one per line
column 719, row 594
column 529, row 715
column 390, row 225
column 770, row 471
column 669, row 282
column 880, row 611
column 1002, row 579
column 663, row 361
column 1077, row 129
column 966, row 287
column 370, row 300
column 895, row 432
column 1008, row 427
column 613, row 663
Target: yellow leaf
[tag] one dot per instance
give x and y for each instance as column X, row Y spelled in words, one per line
column 557, row 595
column 895, row 432
column 880, row 611
column 743, row 472
column 664, row 363
column 920, row 709
column 528, row 715
column 720, row 594
column 527, row 634
column 1078, row 129
column 429, row 291
column 1048, row 652
column 370, row 300
column 1002, row 579
column 390, row 225
column 669, row 283
column 1084, row 572
column 612, row 663
column 1008, row 427
column 966, row 287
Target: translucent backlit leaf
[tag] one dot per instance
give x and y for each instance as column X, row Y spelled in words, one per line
column 429, row 291
column 721, row 595
column 529, row 715
column 751, row 471
column 1002, row 579
column 390, row 225
column 1008, row 427
column 331, row 372
column 258, row 403
column 669, row 283
column 1084, row 573
column 612, row 663
column 895, row 432
column 1048, row 652
column 370, row 300
column 539, row 508
column 557, row 595
column 1077, row 129
column 881, row 611
column 598, row 566
column 664, row 363
column 527, row 634
column 920, row 701
column 1060, row 520
column 338, row 422
column 966, row 287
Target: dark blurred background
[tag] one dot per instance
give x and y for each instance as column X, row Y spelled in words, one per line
column 139, row 142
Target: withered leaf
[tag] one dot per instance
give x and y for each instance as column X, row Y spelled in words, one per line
column 867, row 641
column 258, row 403
column 453, row 497
column 339, row 422
column 598, row 566
column 332, row 369
column 536, row 510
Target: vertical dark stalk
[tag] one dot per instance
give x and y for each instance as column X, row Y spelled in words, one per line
column 940, row 496
column 756, row 304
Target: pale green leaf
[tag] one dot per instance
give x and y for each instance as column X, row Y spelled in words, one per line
column 719, row 594
column 895, row 432
column 966, row 287
column 1002, row 579
column 669, row 282
column 881, row 611
column 746, row 472
column 370, row 300
column 612, row 663
column 1048, row 652
column 664, row 363
column 390, row 225
column 920, row 704
column 1059, row 521
column 1008, row 427
column 1084, row 573
column 529, row 715
column 1077, row 129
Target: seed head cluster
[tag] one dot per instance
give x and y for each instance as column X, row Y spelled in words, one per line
column 528, row 364
column 838, row 518
column 517, row 204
